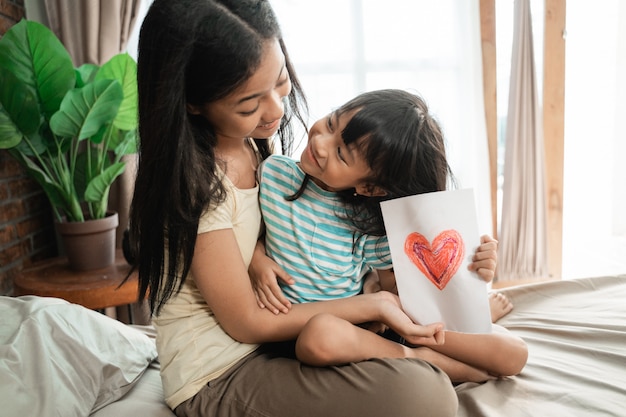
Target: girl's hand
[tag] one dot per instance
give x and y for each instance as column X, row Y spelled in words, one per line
column 416, row 334
column 429, row 335
column 264, row 274
column 485, row 259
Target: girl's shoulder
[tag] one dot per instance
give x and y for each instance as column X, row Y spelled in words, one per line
column 281, row 160
column 281, row 164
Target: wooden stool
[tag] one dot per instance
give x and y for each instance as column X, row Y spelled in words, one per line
column 96, row 289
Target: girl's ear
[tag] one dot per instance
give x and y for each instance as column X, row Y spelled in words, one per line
column 370, row 190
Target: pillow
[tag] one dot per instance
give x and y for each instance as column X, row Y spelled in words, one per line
column 63, row 359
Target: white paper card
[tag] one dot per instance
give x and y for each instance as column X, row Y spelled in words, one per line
column 432, row 238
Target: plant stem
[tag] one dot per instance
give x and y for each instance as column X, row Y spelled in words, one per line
column 75, row 211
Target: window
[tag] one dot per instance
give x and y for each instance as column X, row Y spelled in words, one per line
column 343, row 48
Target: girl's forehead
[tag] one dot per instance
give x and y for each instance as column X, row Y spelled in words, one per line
column 344, row 115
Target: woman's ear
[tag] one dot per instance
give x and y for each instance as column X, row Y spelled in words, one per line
column 370, row 190
column 191, row 109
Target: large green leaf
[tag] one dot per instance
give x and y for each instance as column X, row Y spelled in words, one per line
column 19, row 112
column 98, row 188
column 87, row 168
column 30, row 146
column 85, row 110
column 10, row 135
column 86, row 74
column 39, row 60
column 126, row 143
column 123, row 68
column 55, row 191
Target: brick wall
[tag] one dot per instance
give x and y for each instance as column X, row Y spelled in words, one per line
column 11, row 11
column 26, row 223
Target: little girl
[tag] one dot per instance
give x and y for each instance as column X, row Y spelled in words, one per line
column 324, row 226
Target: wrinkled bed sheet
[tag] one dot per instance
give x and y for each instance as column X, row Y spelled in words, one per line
column 576, row 335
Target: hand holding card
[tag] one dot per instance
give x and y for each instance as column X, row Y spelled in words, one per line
column 430, row 238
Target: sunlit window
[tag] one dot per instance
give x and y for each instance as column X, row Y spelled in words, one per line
column 342, row 48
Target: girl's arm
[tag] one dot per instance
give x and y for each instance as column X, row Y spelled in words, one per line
column 500, row 353
column 264, row 275
column 223, row 281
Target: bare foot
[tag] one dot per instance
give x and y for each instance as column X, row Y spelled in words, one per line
column 499, row 305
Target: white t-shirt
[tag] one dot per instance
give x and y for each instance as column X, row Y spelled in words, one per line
column 193, row 348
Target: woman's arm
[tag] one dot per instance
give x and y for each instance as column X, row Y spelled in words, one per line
column 223, row 281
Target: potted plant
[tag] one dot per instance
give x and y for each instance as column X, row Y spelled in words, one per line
column 69, row 127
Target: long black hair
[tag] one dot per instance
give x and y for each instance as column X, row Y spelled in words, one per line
column 191, row 52
column 402, row 144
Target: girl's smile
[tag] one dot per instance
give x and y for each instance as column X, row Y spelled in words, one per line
column 331, row 163
column 308, row 153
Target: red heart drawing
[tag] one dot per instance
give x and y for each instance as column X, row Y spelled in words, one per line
column 439, row 261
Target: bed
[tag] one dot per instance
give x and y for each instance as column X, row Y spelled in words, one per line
column 62, row 359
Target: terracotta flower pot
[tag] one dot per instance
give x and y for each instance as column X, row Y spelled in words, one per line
column 90, row 244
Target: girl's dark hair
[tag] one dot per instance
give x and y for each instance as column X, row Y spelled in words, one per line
column 190, row 52
column 402, row 144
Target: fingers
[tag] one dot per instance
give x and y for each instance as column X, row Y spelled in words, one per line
column 267, row 290
column 486, row 274
column 272, row 298
column 440, row 337
column 432, row 334
column 485, row 258
column 284, row 276
column 487, row 239
column 487, row 243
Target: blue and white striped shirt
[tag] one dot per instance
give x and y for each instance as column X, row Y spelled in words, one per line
column 310, row 239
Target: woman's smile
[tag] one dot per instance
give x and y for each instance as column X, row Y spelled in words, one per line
column 269, row 126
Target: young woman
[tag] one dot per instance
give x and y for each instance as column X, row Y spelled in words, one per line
column 325, row 230
column 212, row 75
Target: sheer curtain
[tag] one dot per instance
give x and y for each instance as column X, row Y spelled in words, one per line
column 432, row 48
column 523, row 236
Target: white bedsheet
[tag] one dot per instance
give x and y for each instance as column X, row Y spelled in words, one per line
column 576, row 334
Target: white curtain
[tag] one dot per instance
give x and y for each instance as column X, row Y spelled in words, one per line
column 523, row 235
column 343, row 48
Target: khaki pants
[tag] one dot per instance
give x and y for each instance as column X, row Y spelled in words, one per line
column 272, row 383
